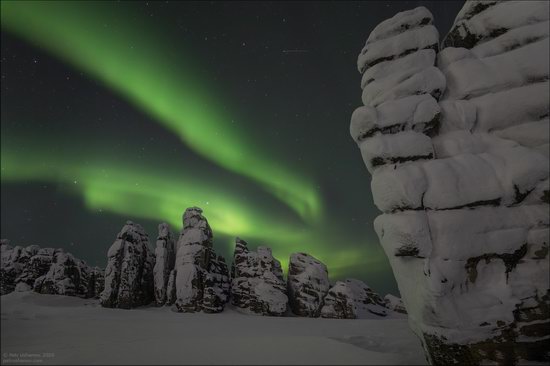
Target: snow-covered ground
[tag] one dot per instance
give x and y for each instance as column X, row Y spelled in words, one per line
column 53, row 329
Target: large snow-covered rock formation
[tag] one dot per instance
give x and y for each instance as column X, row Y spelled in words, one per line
column 352, row 299
column 257, row 281
column 129, row 271
column 457, row 143
column 200, row 280
column 308, row 284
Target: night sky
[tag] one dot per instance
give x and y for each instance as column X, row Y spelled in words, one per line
column 133, row 110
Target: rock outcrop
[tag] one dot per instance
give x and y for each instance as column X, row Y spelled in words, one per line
column 47, row 271
column 217, row 285
column 14, row 261
column 394, row 303
column 353, row 299
column 464, row 194
column 37, row 266
column 129, row 271
column 165, row 257
column 257, row 286
column 307, row 284
column 201, row 277
column 66, row 275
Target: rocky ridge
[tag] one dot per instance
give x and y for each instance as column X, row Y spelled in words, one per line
column 189, row 276
column 47, row 271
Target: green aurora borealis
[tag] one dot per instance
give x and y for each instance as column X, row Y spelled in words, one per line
column 138, row 110
column 139, row 73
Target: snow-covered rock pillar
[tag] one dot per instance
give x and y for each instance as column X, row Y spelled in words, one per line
column 459, row 160
column 129, row 271
column 200, row 280
column 164, row 262
column 307, row 284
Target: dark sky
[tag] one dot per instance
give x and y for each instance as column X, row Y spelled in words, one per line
column 134, row 110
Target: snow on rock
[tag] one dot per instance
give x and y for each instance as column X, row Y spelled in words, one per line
column 38, row 265
column 466, row 232
column 413, row 62
column 258, row 286
column 485, row 20
column 473, row 76
column 307, row 284
column 514, row 38
column 352, row 299
column 401, row 87
column 418, row 113
column 67, row 275
column 47, row 271
column 399, row 45
column 14, row 260
column 164, row 262
column 201, row 277
column 405, row 20
column 394, row 303
column 129, row 271
column 457, row 115
column 397, row 148
column 511, row 107
column 530, row 134
column 502, row 175
column 464, row 142
column 428, row 80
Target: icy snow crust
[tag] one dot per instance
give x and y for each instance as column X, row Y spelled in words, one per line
column 464, row 185
column 79, row 331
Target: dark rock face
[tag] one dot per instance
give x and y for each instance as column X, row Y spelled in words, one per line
column 201, row 277
column 96, row 283
column 217, row 285
column 165, row 257
column 129, row 271
column 258, row 286
column 352, row 299
column 66, row 276
column 465, row 220
column 307, row 285
column 171, row 288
